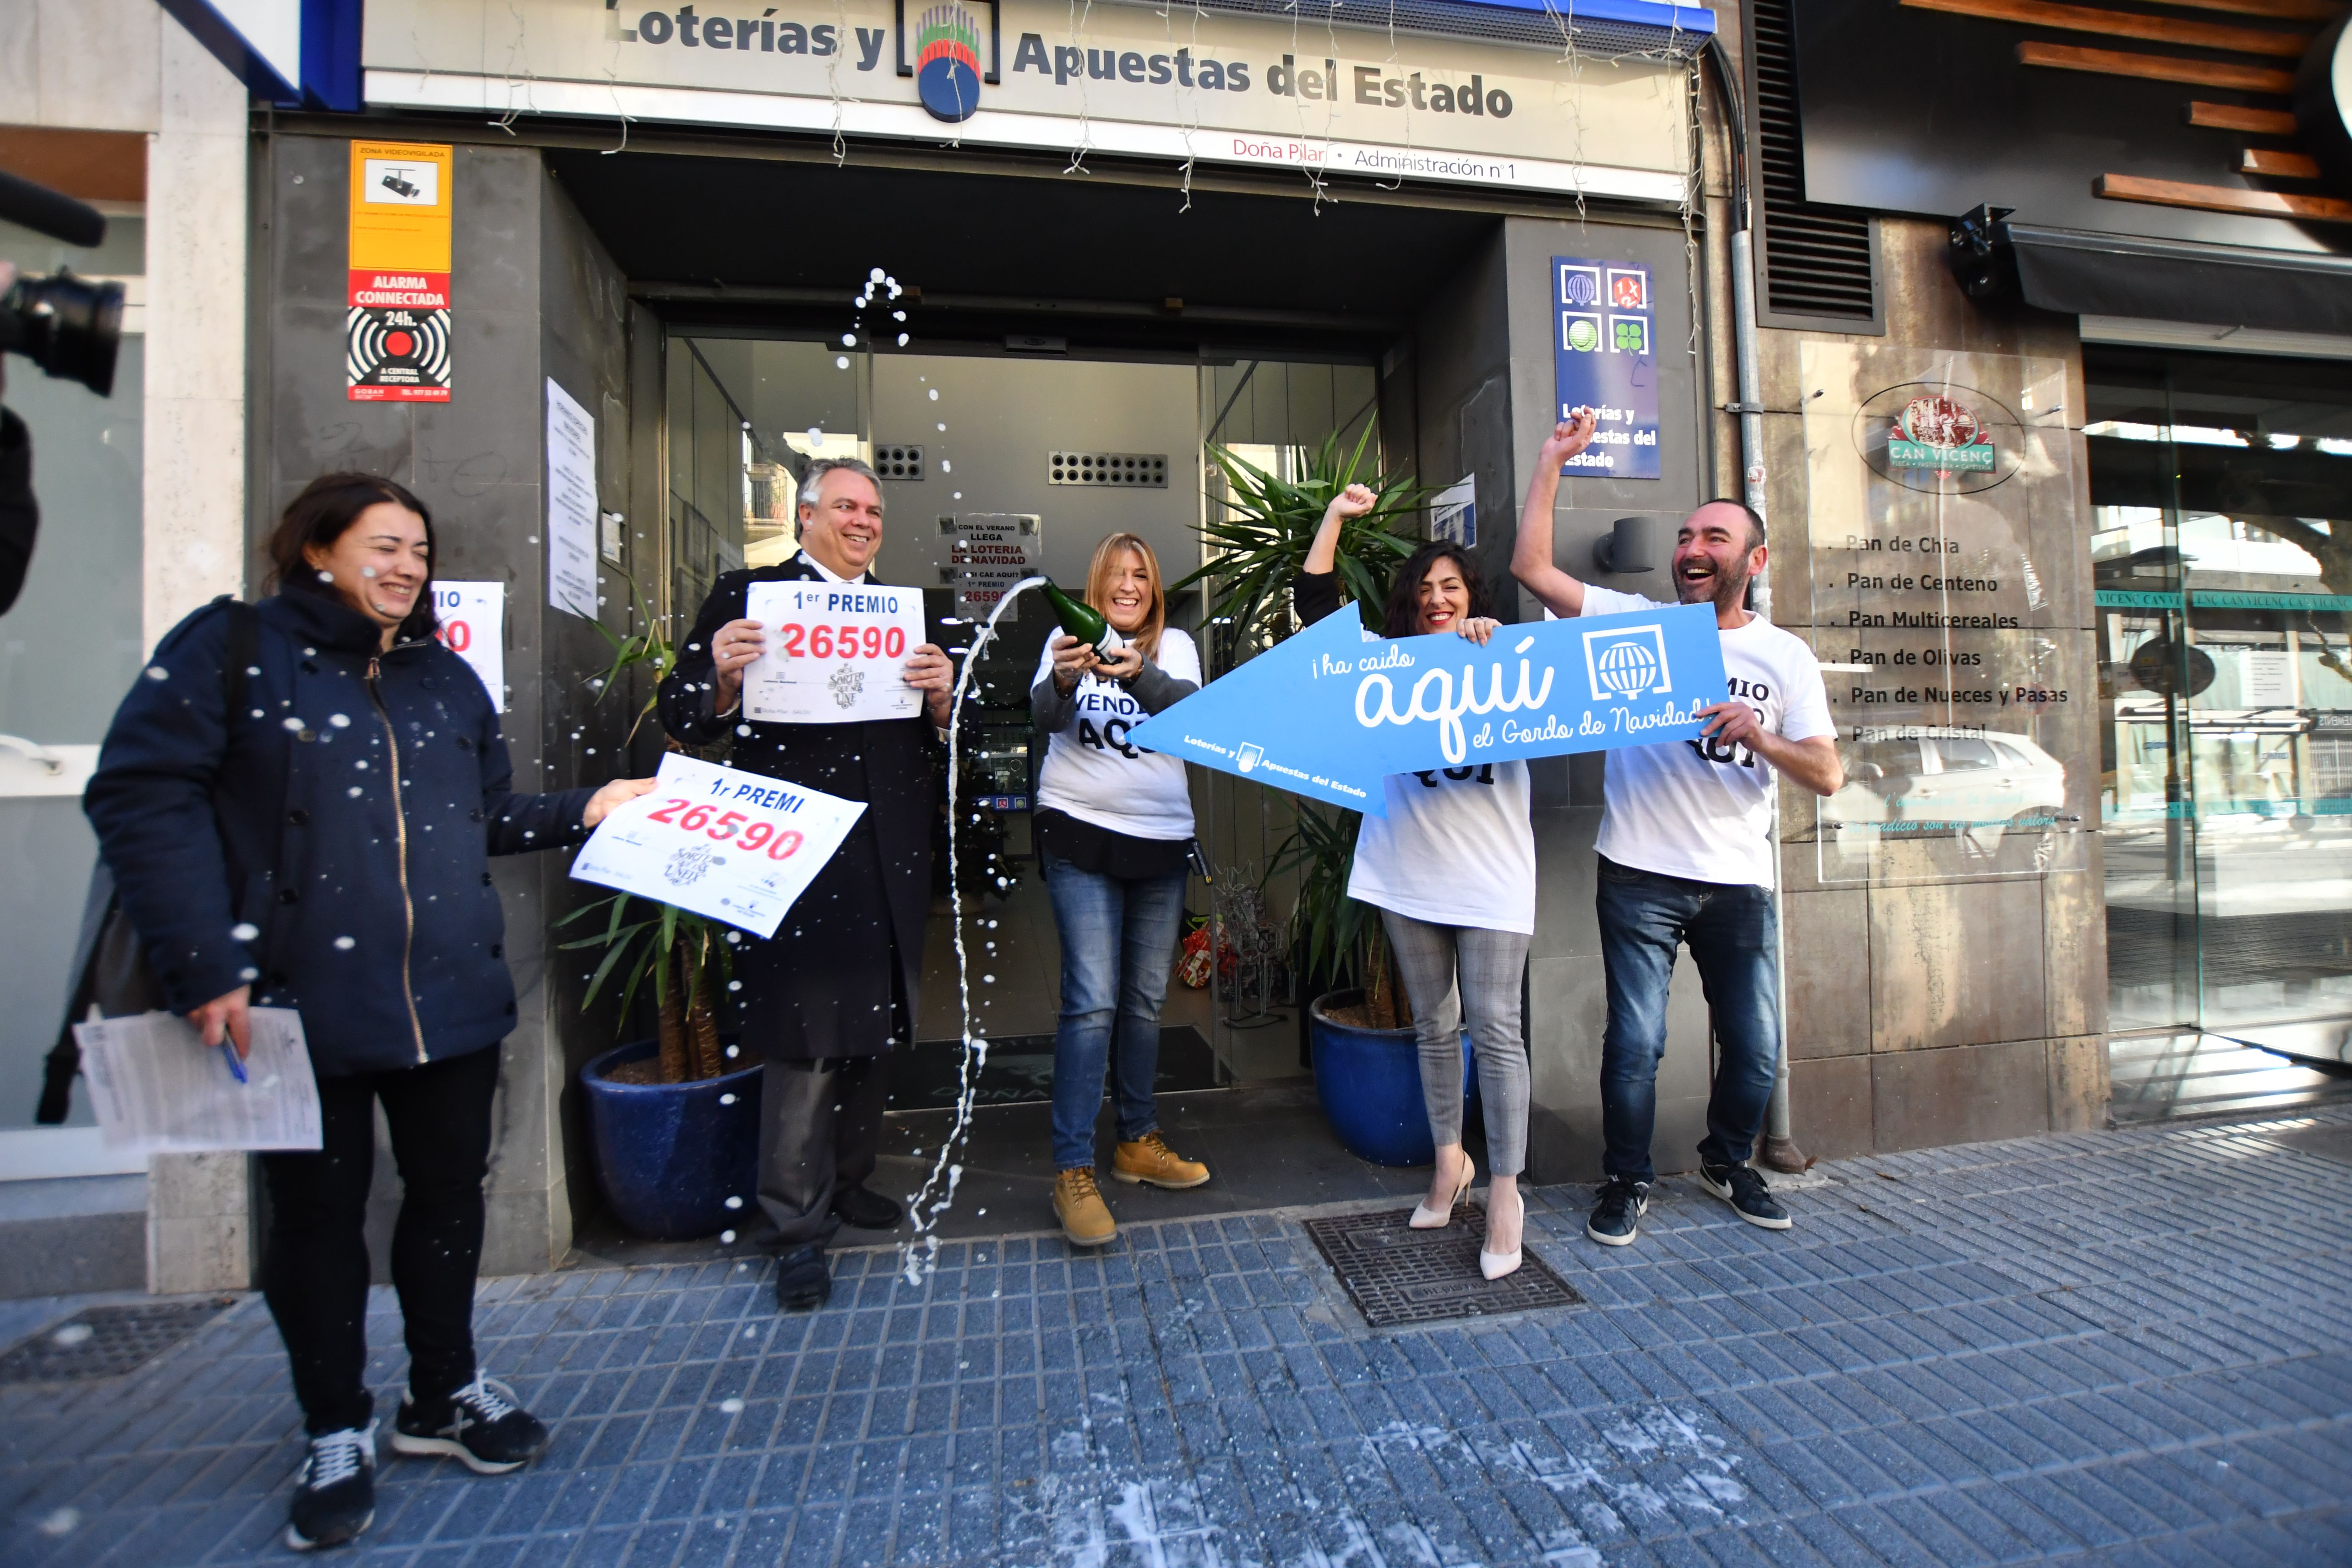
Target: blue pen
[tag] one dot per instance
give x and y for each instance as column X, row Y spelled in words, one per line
column 228, row 1053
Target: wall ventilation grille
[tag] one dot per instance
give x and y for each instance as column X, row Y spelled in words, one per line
column 898, row 462
column 1817, row 261
column 1141, row 470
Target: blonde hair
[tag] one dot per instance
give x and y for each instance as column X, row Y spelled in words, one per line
column 1099, row 571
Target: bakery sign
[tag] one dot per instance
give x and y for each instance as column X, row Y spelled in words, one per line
column 1937, row 436
column 1119, row 81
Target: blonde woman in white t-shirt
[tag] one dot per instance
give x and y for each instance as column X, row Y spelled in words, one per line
column 1452, row 868
column 1114, row 829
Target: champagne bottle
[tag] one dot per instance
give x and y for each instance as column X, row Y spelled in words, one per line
column 1082, row 621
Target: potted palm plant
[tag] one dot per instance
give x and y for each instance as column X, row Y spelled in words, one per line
column 1367, row 1068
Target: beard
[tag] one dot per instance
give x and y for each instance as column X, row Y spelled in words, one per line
column 1727, row 590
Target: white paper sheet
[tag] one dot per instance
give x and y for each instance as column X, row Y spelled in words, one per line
column 473, row 618
column 835, row 653
column 570, row 504
column 155, row 1087
column 733, row 846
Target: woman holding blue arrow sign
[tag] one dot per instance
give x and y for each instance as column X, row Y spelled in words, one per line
column 1452, row 868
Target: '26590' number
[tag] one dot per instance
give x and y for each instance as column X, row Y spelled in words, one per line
column 711, row 822
column 842, row 642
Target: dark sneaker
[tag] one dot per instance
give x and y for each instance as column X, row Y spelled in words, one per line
column 1743, row 1190
column 480, row 1426
column 1617, row 1211
column 867, row 1210
column 334, row 1491
column 803, row 1282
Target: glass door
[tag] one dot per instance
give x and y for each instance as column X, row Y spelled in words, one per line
column 2221, row 492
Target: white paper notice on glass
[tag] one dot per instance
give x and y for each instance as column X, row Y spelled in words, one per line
column 473, row 618
column 733, row 846
column 156, row 1087
column 570, row 504
column 837, row 653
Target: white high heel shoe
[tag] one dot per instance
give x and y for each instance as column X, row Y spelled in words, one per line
column 1495, row 1264
column 1427, row 1219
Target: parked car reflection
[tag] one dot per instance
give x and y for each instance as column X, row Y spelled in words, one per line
column 1931, row 781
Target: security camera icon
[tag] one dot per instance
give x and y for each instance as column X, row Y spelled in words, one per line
column 393, row 182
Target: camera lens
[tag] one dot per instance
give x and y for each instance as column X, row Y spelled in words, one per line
column 69, row 326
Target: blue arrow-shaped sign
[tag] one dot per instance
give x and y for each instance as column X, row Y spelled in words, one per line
column 1333, row 711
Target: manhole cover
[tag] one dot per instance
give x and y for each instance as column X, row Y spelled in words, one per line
column 105, row 1342
column 1398, row 1275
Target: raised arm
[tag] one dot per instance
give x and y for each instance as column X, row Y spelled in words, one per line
column 1531, row 561
column 1324, row 554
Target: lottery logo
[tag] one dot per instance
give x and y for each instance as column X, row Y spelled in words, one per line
column 947, row 63
column 685, row 867
column 397, row 354
column 845, row 683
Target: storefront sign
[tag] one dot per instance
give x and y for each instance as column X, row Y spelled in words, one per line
column 731, row 846
column 396, row 338
column 1605, row 358
column 1940, row 505
column 1112, row 78
column 473, row 626
column 1333, row 711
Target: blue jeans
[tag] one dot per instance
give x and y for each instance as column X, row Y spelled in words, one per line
column 1735, row 942
column 1119, row 943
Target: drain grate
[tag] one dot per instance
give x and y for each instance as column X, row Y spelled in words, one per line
column 105, row 1342
column 1398, row 1276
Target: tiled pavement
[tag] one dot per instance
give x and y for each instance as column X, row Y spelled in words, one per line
column 2114, row 1347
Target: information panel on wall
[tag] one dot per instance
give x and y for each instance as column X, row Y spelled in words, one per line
column 1952, row 627
column 397, row 336
column 1605, row 358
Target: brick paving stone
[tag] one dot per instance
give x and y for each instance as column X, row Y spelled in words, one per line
column 2101, row 1348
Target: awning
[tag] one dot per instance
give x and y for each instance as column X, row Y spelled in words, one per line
column 2082, row 274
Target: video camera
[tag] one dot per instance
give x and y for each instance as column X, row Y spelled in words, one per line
column 69, row 326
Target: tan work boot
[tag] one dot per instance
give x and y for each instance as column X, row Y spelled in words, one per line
column 1149, row 1158
column 1077, row 1203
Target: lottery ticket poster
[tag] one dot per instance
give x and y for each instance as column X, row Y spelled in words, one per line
column 473, row 626
column 835, row 653
column 735, row 847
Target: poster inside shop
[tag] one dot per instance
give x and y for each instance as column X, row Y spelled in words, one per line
column 989, row 552
column 397, row 336
column 837, row 653
column 731, row 846
column 1605, row 358
column 472, row 624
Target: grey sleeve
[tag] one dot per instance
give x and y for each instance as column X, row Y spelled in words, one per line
column 1049, row 711
column 1157, row 689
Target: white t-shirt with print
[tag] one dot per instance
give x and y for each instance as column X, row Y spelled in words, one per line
column 1456, row 849
column 1095, row 774
column 1695, row 808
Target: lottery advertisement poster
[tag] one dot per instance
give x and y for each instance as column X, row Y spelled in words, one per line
column 1605, row 358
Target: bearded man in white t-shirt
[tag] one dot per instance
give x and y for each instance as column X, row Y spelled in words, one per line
column 1687, row 854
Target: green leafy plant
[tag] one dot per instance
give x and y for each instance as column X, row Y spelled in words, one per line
column 690, row 962
column 1261, row 542
column 1331, row 934
column 647, row 647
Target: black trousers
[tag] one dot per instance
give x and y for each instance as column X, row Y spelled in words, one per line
column 820, row 1132
column 314, row 1270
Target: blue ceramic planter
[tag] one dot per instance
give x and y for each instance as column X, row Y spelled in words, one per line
column 669, row 1155
column 1369, row 1083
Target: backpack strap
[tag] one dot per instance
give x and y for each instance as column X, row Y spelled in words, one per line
column 244, row 647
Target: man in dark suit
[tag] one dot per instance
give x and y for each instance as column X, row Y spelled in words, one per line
column 837, row 985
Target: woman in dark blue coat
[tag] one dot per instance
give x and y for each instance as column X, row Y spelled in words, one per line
column 323, row 846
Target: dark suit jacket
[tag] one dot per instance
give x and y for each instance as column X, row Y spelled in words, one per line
column 826, row 984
